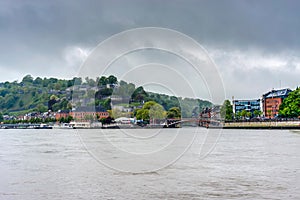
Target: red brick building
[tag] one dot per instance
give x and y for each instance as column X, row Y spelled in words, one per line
column 210, row 117
column 272, row 100
column 62, row 113
column 88, row 113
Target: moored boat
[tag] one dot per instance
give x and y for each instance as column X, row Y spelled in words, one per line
column 63, row 126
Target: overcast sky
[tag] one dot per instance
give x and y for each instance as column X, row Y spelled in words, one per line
column 255, row 44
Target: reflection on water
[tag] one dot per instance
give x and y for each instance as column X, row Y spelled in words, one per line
column 54, row 164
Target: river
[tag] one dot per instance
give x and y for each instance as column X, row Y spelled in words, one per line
column 186, row 163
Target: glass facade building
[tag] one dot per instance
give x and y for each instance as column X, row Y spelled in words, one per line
column 248, row 105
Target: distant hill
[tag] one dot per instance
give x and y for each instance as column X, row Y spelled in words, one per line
column 32, row 94
column 40, row 94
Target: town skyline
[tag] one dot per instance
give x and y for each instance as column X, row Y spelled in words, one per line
column 254, row 44
column 259, row 96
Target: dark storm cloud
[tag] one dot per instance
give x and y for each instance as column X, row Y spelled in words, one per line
column 51, row 24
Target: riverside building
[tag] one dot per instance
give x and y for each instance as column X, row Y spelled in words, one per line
column 272, row 100
column 248, row 105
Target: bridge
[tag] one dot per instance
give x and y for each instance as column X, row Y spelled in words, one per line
column 202, row 122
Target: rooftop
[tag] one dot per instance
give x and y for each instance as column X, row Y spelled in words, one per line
column 277, row 93
column 246, row 100
column 89, row 109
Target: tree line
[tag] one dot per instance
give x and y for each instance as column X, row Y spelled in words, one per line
column 44, row 94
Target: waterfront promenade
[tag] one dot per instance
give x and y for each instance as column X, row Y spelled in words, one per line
column 263, row 125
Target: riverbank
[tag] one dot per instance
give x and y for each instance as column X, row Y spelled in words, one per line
column 262, row 125
column 81, row 126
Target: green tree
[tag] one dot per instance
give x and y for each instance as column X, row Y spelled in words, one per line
column 1, row 117
column 149, row 104
column 75, row 81
column 62, row 120
column 290, row 106
column 227, row 110
column 112, row 80
column 248, row 114
column 57, row 86
column 156, row 112
column 69, row 106
column 27, row 79
column 10, row 101
column 116, row 113
column 102, row 81
column 257, row 113
column 104, row 92
column 139, row 95
column 38, row 81
column 53, row 97
column 245, row 114
column 150, row 110
column 143, row 114
column 174, row 112
column 21, row 103
column 41, row 108
column 91, row 82
column 69, row 119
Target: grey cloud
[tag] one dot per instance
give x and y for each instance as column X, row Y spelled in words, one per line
column 221, row 23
